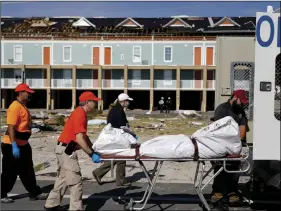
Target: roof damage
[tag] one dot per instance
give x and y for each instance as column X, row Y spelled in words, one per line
column 82, row 26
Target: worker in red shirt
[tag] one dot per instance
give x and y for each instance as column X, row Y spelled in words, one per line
column 73, row 137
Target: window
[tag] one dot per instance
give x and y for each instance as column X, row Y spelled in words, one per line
column 136, row 54
column 167, row 54
column 67, row 53
column 277, row 98
column 18, row 53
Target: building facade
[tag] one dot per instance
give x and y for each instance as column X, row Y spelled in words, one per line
column 148, row 58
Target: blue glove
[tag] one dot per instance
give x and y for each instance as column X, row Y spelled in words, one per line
column 15, row 149
column 96, row 158
column 136, row 137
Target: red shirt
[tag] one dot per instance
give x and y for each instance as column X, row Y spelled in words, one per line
column 76, row 123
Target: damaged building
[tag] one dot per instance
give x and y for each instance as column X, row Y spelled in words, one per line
column 148, row 58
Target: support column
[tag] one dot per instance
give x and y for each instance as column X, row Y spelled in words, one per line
column 4, row 97
column 100, row 103
column 73, row 86
column 178, row 89
column 48, row 84
column 53, row 96
column 204, row 97
column 126, row 79
column 22, row 67
column 151, row 94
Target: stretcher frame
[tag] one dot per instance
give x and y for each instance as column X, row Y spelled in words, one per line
column 200, row 172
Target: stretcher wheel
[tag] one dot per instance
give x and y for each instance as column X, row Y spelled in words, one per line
column 128, row 206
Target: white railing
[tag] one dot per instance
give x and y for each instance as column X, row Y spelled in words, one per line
column 35, row 83
column 61, row 83
column 10, row 82
column 142, row 84
column 162, row 84
column 84, row 83
column 113, row 83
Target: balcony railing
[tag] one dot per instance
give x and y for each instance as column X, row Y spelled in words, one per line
column 165, row 84
column 142, row 84
column 86, row 83
column 113, row 83
column 10, row 82
column 61, row 83
column 36, row 83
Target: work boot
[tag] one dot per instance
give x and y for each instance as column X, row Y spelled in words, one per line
column 42, row 196
column 97, row 178
column 219, row 206
column 124, row 184
column 7, row 200
column 56, row 208
column 216, row 197
column 235, row 200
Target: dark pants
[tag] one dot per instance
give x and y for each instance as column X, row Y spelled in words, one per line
column 161, row 108
column 22, row 167
column 226, row 183
column 120, row 170
column 168, row 108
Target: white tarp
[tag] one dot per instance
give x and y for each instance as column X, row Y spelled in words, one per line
column 215, row 140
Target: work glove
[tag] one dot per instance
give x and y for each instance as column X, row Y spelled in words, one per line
column 96, row 158
column 136, row 137
column 15, row 149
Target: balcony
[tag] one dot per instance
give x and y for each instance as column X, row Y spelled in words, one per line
column 113, row 83
column 61, row 83
column 10, row 83
column 86, row 83
column 36, row 83
column 165, row 84
column 138, row 84
column 211, row 84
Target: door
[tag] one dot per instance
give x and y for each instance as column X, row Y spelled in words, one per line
column 107, row 55
column 46, row 55
column 197, row 56
column 96, row 55
column 209, row 56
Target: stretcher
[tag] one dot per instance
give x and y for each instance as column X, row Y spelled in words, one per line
column 200, row 174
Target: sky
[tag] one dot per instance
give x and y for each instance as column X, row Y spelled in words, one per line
column 133, row 9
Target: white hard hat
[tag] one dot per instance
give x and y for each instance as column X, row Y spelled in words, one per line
column 162, row 98
column 123, row 97
column 169, row 98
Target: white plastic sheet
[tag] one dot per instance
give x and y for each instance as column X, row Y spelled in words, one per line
column 215, row 140
column 113, row 141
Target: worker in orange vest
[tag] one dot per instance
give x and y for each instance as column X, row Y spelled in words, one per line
column 16, row 151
